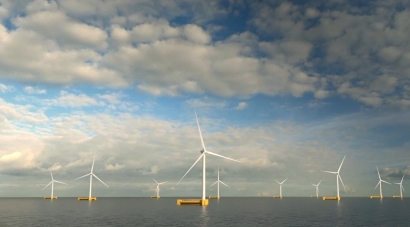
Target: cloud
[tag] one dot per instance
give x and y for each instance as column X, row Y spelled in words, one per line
column 6, row 88
column 114, row 167
column 241, row 106
column 10, row 157
column 71, row 100
column 34, row 90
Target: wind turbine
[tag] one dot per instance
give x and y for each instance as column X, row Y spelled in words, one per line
column 91, row 174
column 218, row 181
column 379, row 183
column 157, row 189
column 203, row 201
column 337, row 181
column 401, row 188
column 280, row 188
column 52, row 187
column 317, row 189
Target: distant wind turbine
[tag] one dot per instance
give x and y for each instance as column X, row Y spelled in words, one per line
column 91, row 174
column 401, row 187
column 218, row 181
column 157, row 189
column 380, row 183
column 317, row 189
column 52, row 187
column 337, row 178
column 280, row 187
column 204, row 151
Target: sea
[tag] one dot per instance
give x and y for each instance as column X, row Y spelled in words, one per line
column 227, row 211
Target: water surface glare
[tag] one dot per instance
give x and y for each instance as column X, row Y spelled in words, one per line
column 256, row 211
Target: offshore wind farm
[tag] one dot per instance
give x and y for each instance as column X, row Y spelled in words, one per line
column 204, row 113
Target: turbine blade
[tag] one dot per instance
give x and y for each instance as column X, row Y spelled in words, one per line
column 100, row 180
column 341, row 163
column 402, row 187
column 46, row 185
column 378, row 173
column 82, row 176
column 329, row 172
column 319, row 182
column 155, row 180
column 313, row 185
column 92, row 167
column 59, row 182
column 51, row 175
column 163, row 182
column 213, row 184
column 277, row 181
column 191, row 167
column 402, row 179
column 342, row 183
column 376, row 186
column 199, row 129
column 385, row 181
column 284, row 181
column 224, row 184
column 221, row 156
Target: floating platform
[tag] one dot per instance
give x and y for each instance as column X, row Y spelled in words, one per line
column 313, row 196
column 87, row 198
column 199, row 202
column 277, row 197
column 214, row 197
column 397, row 197
column 50, row 197
column 376, row 197
column 331, row 197
column 155, row 197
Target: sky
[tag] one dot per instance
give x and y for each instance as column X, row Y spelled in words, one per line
column 287, row 87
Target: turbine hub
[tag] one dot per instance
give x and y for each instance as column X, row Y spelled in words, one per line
column 202, row 150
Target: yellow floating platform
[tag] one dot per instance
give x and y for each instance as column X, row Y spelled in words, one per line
column 199, row 202
column 50, row 197
column 155, row 197
column 313, row 196
column 397, row 197
column 87, row 198
column 214, row 197
column 277, row 197
column 331, row 197
column 376, row 197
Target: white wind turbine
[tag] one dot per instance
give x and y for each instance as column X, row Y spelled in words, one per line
column 91, row 174
column 317, row 188
column 157, row 189
column 380, row 183
column 219, row 181
column 52, row 186
column 203, row 155
column 280, row 187
column 401, row 187
column 338, row 177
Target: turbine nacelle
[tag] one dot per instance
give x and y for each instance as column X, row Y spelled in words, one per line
column 202, row 151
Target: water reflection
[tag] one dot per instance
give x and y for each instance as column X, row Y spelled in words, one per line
column 204, row 216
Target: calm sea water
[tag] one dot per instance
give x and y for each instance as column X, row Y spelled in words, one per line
column 225, row 212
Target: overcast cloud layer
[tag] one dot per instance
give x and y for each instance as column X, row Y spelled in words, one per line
column 287, row 88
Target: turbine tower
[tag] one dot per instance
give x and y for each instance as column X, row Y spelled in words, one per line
column 337, row 182
column 317, row 189
column 52, row 187
column 280, row 188
column 157, row 189
column 91, row 174
column 379, row 183
column 401, row 188
column 218, row 181
column 204, row 151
